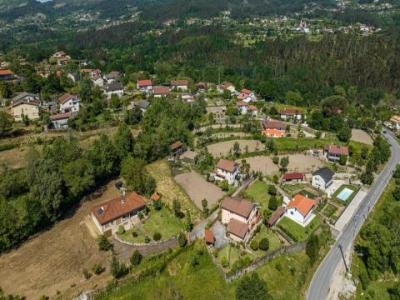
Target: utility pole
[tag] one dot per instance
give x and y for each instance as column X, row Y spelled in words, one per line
column 344, row 259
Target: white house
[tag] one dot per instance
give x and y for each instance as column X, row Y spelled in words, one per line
column 290, row 114
column 240, row 215
column 395, row 120
column 180, row 85
column 247, row 96
column 322, row 178
column 69, row 103
column 120, row 211
column 227, row 86
column 300, row 210
column 161, row 91
column 145, row 86
column 334, row 152
column 114, row 88
column 60, row 121
column 227, row 170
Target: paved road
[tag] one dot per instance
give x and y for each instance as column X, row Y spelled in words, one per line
column 320, row 284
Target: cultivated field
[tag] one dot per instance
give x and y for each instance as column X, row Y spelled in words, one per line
column 262, row 164
column 198, row 189
column 169, row 189
column 55, row 259
column 361, row 136
column 223, row 148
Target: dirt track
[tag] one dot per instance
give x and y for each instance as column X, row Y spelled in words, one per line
column 54, row 260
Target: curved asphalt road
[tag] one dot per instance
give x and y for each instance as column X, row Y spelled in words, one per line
column 320, row 284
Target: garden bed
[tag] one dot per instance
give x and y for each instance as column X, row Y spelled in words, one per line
column 297, row 232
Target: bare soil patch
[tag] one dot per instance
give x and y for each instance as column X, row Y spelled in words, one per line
column 223, row 148
column 303, row 163
column 361, row 136
column 198, row 189
column 54, row 260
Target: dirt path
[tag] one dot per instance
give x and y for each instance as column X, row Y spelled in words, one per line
column 54, row 260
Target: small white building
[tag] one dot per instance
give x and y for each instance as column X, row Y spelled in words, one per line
column 300, row 210
column 114, row 88
column 227, row 170
column 145, row 86
column 180, row 85
column 69, row 103
column 240, row 215
column 290, row 114
column 322, row 178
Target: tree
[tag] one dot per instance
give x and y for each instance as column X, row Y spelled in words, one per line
column 284, row 164
column 136, row 177
column 236, row 149
column 343, row 160
column 133, row 116
column 157, row 236
column 182, row 240
column 5, row 123
column 344, row 134
column 79, row 176
column 118, row 269
column 264, row 244
column 176, row 207
column 272, row 190
column 252, row 287
column 204, row 204
column 275, row 160
column 254, row 245
column 294, row 97
column 312, row 248
column 188, row 223
column 104, row 244
column 367, row 177
column 123, row 141
column 273, row 203
column 136, row 258
column 394, row 292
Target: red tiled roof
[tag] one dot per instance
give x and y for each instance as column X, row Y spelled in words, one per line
column 209, row 236
column 179, row 82
column 176, row 145
column 144, row 83
column 161, row 90
column 273, row 124
column 272, row 132
column 302, row 204
column 155, row 196
column 6, row 72
column 289, row 111
column 252, row 108
column 241, row 103
column 118, row 207
column 66, row 97
column 61, row 116
column 227, row 165
column 238, row 228
column 239, row 206
column 337, row 150
column 276, row 215
column 293, row 176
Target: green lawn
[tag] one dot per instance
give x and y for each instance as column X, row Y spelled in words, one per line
column 162, row 221
column 296, row 231
column 179, row 280
column 258, row 192
column 301, row 144
column 274, row 241
column 354, row 188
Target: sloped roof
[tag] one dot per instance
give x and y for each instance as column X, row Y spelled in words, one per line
column 209, row 236
column 302, row 204
column 337, row 150
column 144, row 82
column 238, row 206
column 293, row 176
column 66, row 97
column 61, row 116
column 179, row 82
column 118, row 207
column 161, row 90
column 238, row 228
column 325, row 173
column 227, row 165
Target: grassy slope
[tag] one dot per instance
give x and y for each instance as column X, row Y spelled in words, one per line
column 258, row 192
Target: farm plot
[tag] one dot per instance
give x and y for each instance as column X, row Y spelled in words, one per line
column 198, row 189
column 303, row 163
column 262, row 164
column 361, row 136
column 224, row 148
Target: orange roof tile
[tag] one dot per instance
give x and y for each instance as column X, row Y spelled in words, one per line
column 302, row 204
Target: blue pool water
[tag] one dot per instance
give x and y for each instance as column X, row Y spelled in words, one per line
column 345, row 194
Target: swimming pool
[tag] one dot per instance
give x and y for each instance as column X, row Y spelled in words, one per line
column 345, row 194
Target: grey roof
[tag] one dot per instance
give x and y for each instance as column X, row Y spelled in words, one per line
column 114, row 86
column 143, row 104
column 23, row 95
column 325, row 173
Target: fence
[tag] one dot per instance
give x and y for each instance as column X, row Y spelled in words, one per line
column 258, row 262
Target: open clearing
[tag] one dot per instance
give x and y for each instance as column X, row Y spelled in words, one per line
column 198, row 189
column 54, row 260
column 223, row 148
column 169, row 189
column 361, row 136
column 297, row 162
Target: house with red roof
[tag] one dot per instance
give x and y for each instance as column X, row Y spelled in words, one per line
column 334, row 152
column 290, row 114
column 247, row 96
column 180, row 85
column 60, row 121
column 273, row 133
column 160, row 91
column 301, row 209
column 145, row 85
column 6, row 74
column 120, row 211
column 227, row 170
column 209, row 237
column 293, row 177
column 69, row 103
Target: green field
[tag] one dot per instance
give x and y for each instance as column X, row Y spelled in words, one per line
column 274, row 241
column 162, row 221
column 301, row 144
column 258, row 192
column 296, row 231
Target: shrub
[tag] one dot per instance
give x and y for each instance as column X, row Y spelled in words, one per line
column 194, row 261
column 224, row 262
column 118, row 269
column 182, row 240
column 312, row 248
column 98, row 269
column 147, row 239
column 252, row 287
column 157, row 204
column 86, row 274
column 254, row 245
column 136, row 258
column 121, row 229
column 264, row 244
column 104, row 244
column 157, row 236
column 275, row 160
column 134, row 234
